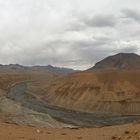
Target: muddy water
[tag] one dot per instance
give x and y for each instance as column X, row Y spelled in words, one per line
column 19, row 93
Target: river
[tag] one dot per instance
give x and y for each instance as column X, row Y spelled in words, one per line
column 19, row 93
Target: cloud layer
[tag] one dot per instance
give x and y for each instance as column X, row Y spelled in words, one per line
column 70, row 33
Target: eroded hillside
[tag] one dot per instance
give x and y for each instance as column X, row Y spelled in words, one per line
column 108, row 91
column 112, row 85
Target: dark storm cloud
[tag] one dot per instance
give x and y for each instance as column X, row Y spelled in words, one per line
column 96, row 21
column 130, row 49
column 101, row 21
column 95, row 42
column 132, row 14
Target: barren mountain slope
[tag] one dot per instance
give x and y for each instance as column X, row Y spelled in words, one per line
column 14, row 111
column 106, row 90
column 119, row 61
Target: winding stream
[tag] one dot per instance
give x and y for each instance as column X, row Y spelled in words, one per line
column 19, row 93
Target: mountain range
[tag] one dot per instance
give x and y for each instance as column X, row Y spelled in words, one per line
column 112, row 85
column 106, row 94
column 49, row 68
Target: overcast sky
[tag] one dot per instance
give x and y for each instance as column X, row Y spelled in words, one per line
column 68, row 33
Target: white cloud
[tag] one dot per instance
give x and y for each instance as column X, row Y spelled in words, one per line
column 70, row 33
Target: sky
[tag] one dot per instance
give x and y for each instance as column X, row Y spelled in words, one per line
column 67, row 33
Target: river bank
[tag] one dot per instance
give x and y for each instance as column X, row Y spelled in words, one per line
column 19, row 93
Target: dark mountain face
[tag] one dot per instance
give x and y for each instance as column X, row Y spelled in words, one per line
column 12, row 67
column 55, row 69
column 119, row 61
column 47, row 68
column 59, row 70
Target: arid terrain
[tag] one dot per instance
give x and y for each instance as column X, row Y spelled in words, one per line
column 113, row 89
column 102, row 103
column 123, row 132
column 108, row 91
column 69, row 69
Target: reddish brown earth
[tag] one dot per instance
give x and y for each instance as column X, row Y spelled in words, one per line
column 109, row 91
column 119, row 61
column 123, row 132
column 112, row 85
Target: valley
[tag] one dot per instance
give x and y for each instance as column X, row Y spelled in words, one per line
column 39, row 98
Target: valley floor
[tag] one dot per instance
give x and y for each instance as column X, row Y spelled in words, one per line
column 122, row 132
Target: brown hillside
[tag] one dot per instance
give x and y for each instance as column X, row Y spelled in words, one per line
column 116, row 91
column 119, row 61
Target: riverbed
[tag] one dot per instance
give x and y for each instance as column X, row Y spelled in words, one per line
column 20, row 94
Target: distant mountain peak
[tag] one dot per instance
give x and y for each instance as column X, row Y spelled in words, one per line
column 119, row 61
column 59, row 69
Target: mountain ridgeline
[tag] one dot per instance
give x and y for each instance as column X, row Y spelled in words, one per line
column 48, row 68
column 107, row 94
column 119, row 61
column 112, row 85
